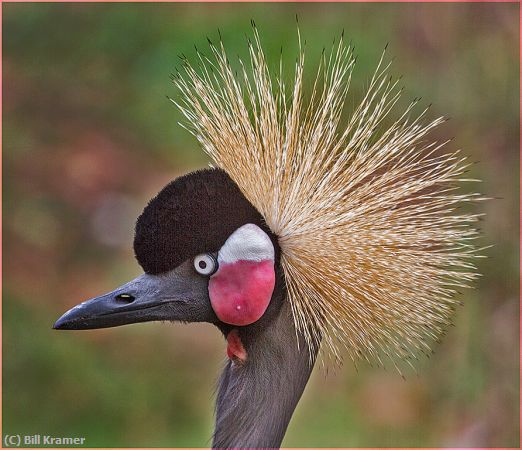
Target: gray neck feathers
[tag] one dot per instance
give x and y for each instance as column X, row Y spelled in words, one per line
column 256, row 400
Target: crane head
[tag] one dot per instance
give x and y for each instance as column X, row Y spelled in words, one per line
column 207, row 255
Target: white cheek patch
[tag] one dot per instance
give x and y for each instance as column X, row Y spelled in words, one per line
column 247, row 243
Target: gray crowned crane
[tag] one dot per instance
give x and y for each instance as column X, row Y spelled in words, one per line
column 306, row 234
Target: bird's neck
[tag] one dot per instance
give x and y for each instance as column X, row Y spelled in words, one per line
column 257, row 397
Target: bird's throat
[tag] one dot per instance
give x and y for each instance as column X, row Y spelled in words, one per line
column 257, row 394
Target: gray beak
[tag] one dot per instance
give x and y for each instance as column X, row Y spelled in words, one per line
column 179, row 295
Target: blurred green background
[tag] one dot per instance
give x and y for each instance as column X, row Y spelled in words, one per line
column 89, row 137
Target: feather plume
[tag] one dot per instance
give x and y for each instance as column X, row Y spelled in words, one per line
column 373, row 245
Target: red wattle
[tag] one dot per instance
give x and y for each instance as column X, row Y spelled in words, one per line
column 235, row 349
column 241, row 291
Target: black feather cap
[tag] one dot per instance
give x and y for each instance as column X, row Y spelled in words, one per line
column 193, row 214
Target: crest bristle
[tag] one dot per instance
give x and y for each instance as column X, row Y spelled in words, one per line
column 373, row 246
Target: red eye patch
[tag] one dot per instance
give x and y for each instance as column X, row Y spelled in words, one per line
column 241, row 291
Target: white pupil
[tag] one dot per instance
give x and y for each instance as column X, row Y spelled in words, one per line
column 204, row 264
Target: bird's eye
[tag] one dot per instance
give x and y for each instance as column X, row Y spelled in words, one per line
column 205, row 264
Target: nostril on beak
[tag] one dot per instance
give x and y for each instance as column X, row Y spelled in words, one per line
column 125, row 298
